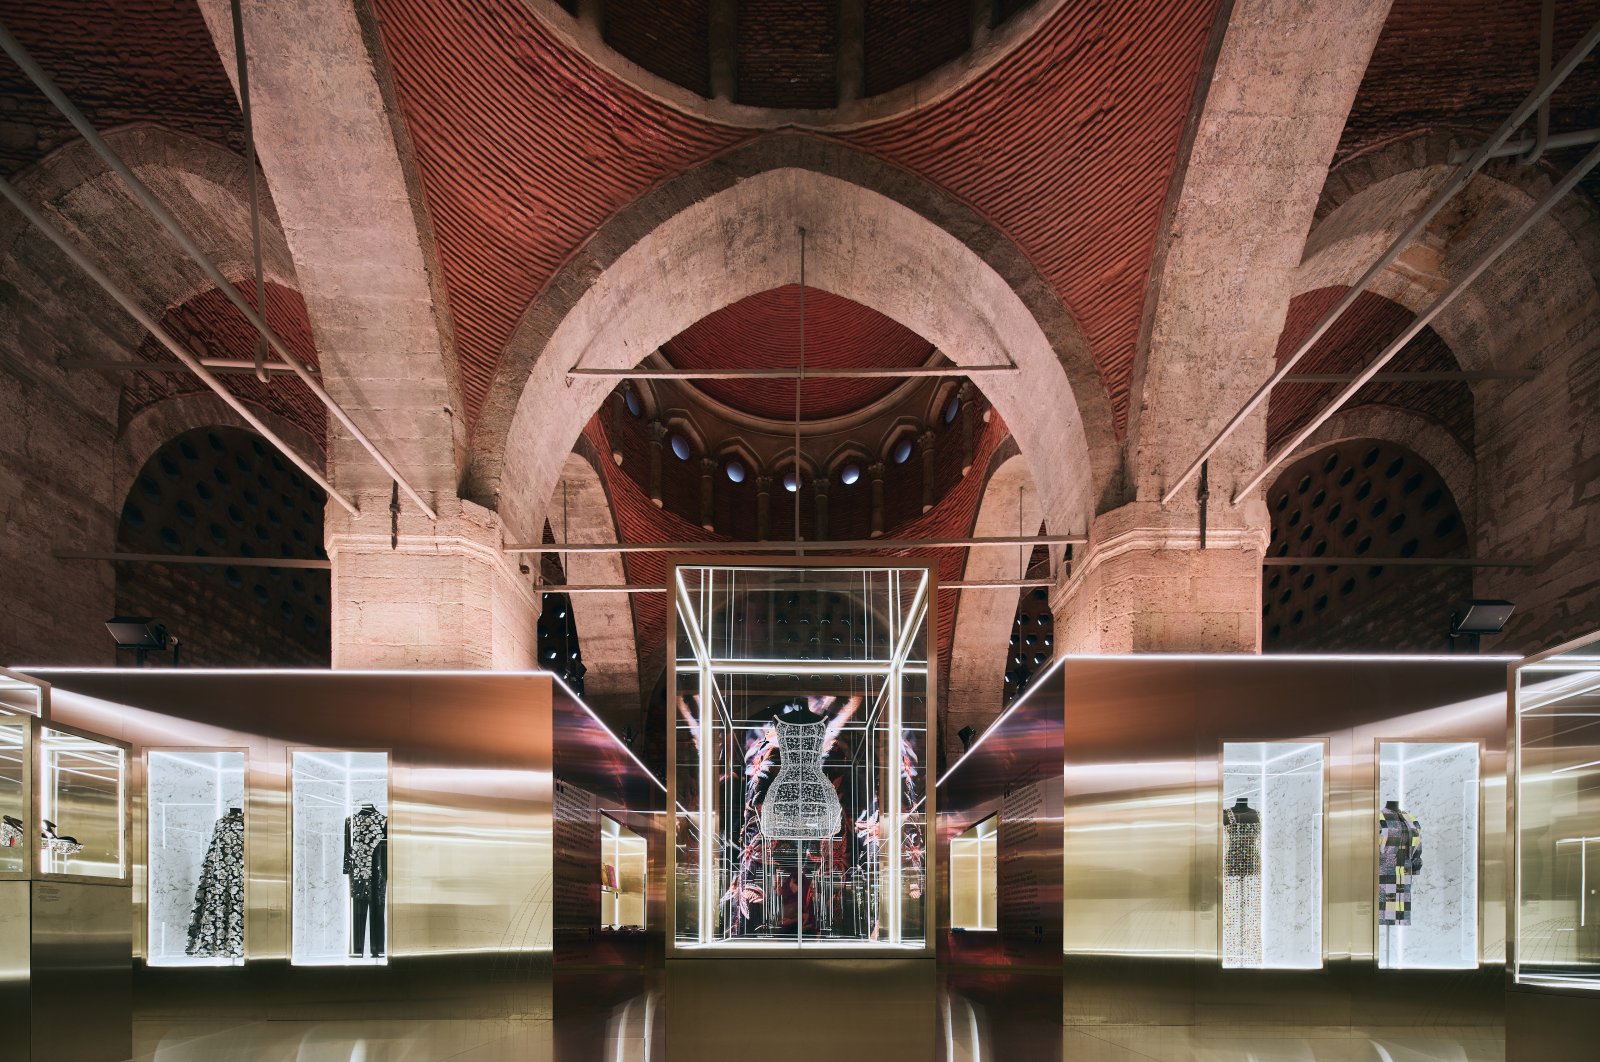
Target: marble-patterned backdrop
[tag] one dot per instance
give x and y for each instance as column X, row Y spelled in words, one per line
column 328, row 787
column 188, row 793
column 1283, row 781
column 1437, row 784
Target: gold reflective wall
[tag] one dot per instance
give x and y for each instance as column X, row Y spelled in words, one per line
column 1144, row 740
column 470, row 862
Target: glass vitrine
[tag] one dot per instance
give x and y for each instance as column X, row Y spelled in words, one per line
column 800, row 705
column 974, row 869
column 340, row 856
column 1271, row 845
column 22, row 694
column 1426, row 888
column 195, row 800
column 1556, row 751
column 16, row 745
column 624, row 864
column 82, row 805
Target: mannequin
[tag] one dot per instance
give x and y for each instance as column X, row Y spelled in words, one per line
column 801, row 804
column 216, row 929
column 1399, row 861
column 366, row 862
column 1241, row 885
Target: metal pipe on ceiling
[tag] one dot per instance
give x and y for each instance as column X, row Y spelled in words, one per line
column 1484, row 376
column 148, row 199
column 1448, row 296
column 168, row 558
column 772, row 546
column 242, row 63
column 1401, row 562
column 909, row 372
column 1554, row 142
column 1447, row 192
column 151, row 325
column 661, row 588
column 221, row 365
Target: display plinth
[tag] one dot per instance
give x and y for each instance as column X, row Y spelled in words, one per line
column 800, row 703
column 66, row 908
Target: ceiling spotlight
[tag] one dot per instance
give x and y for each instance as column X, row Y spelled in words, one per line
column 966, row 734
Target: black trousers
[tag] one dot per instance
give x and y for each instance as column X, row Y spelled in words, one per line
column 366, row 911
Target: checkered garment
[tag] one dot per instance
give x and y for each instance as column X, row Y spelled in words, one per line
column 1399, row 860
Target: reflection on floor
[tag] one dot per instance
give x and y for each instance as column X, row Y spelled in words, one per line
column 982, row 1017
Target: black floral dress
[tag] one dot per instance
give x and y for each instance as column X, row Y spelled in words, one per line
column 217, row 928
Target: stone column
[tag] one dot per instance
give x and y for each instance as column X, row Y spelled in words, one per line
column 925, row 442
column 969, row 417
column 419, row 594
column 708, row 472
column 658, row 434
column 1143, row 584
column 763, row 506
column 820, row 532
column 875, row 471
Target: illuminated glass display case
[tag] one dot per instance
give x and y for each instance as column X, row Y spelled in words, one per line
column 195, row 799
column 340, row 857
column 1556, row 754
column 1272, row 815
column 800, row 700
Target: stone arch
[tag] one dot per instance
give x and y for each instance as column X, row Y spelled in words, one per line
column 582, row 513
column 202, row 184
column 1371, row 199
column 730, row 229
column 153, row 426
column 1412, row 430
column 979, row 649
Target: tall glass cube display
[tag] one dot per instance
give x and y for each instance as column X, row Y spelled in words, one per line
column 340, row 856
column 800, row 701
column 1427, row 843
column 83, row 788
column 15, row 759
column 1556, row 739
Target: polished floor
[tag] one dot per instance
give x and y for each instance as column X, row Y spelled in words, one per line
column 983, row 1020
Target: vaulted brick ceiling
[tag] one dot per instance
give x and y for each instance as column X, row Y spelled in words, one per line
column 764, row 331
column 525, row 147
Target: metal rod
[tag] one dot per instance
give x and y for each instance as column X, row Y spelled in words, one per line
column 151, row 325
column 660, row 588
column 1450, row 294
column 909, row 372
column 1403, row 562
column 799, row 385
column 220, row 365
column 142, row 193
column 1547, row 34
column 243, row 65
column 1446, row 193
column 1554, row 142
column 848, row 545
column 1412, row 377
column 168, row 558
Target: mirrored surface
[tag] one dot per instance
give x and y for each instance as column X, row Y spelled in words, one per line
column 973, row 870
column 1427, row 838
column 341, row 857
column 195, row 902
column 13, row 795
column 1558, row 820
column 82, row 809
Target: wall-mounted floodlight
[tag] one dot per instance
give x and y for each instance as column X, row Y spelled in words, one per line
column 1473, row 619
column 142, row 636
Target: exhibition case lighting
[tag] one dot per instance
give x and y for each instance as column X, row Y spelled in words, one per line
column 800, row 700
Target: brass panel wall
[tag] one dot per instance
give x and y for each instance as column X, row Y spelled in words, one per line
column 65, row 956
column 471, row 759
column 1014, row 772
column 1142, row 831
